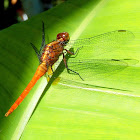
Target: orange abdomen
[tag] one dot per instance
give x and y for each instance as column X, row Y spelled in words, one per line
column 41, row 70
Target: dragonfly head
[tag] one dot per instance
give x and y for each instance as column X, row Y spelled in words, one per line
column 65, row 36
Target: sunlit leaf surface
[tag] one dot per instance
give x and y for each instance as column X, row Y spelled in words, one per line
column 106, row 105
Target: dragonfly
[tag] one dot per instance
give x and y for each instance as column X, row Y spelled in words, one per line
column 48, row 54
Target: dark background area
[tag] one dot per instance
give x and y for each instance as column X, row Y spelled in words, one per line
column 14, row 11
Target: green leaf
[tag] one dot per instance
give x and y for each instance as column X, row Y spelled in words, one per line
column 103, row 106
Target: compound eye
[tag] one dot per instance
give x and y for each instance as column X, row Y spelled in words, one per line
column 59, row 36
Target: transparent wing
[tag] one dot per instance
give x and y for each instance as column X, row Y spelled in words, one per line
column 92, row 69
column 118, row 36
column 102, row 43
column 98, row 65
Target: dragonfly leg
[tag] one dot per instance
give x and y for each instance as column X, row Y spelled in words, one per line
column 43, row 38
column 65, row 62
column 49, row 72
column 36, row 51
column 72, row 52
column 52, row 69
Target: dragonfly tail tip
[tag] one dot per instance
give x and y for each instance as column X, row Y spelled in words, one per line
column 7, row 114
